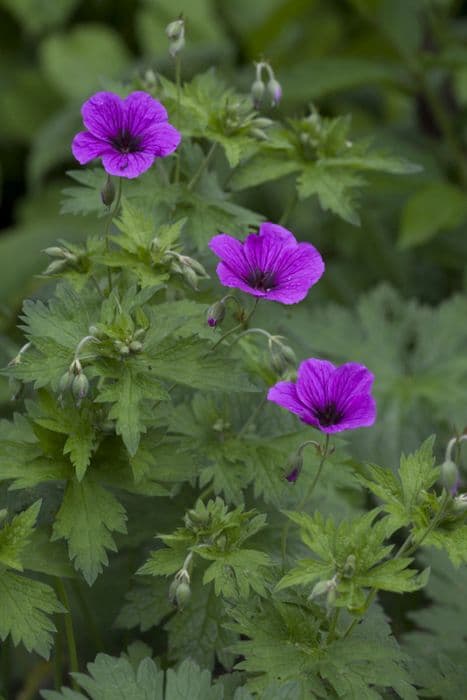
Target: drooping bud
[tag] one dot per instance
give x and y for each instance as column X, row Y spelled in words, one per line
column 216, row 314
column 257, row 91
column 183, row 594
column 108, row 192
column 55, row 252
column 175, row 32
column 80, row 387
column 55, row 267
column 322, row 588
column 450, row 476
column 294, row 467
column 282, row 356
column 275, row 91
column 65, row 382
column 190, row 276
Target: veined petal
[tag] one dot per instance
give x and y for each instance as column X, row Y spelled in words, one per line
column 230, row 251
column 128, row 165
column 161, row 140
column 141, row 112
column 85, row 147
column 359, row 413
column 312, row 383
column 103, row 115
column 347, row 381
column 285, row 395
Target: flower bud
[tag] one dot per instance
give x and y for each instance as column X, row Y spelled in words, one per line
column 136, row 346
column 182, row 594
column 282, row 357
column 257, row 92
column 190, row 277
column 216, row 314
column 108, row 192
column 349, row 566
column 319, row 589
column 121, row 347
column 65, row 382
column 275, row 91
column 175, row 32
column 450, row 476
column 55, row 267
column 80, row 387
column 294, row 467
column 55, row 252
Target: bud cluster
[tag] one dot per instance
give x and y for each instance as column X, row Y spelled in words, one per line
column 131, row 344
column 321, row 137
column 63, row 258
column 237, row 118
column 260, row 90
column 74, row 380
column 190, row 269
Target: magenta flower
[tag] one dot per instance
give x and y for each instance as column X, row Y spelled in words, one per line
column 128, row 134
column 269, row 264
column 329, row 398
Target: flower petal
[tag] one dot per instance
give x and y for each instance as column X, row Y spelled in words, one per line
column 285, row 395
column 86, row 147
column 270, row 230
column 230, row 251
column 103, row 115
column 312, row 383
column 128, row 165
column 263, row 249
column 162, row 140
column 359, row 413
column 229, row 278
column 347, row 381
column 141, row 112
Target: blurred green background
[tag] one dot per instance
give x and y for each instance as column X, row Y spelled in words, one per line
column 399, row 67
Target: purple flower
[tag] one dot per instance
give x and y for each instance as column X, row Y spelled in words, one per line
column 128, row 134
column 269, row 264
column 330, row 398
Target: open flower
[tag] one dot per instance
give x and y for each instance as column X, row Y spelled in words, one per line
column 269, row 264
column 330, row 398
column 128, row 134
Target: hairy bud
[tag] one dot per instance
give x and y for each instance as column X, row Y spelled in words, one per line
column 108, row 192
column 215, row 314
column 80, row 387
column 175, row 32
column 275, row 91
column 450, row 476
column 257, row 92
column 349, row 566
column 182, row 594
column 294, row 467
column 459, row 504
column 282, row 357
column 65, row 382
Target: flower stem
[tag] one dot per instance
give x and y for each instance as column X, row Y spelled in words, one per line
column 237, row 327
column 110, row 218
column 70, row 635
column 305, row 499
column 408, row 549
column 204, row 164
column 289, row 207
column 333, row 625
column 91, row 624
column 178, row 84
column 58, row 658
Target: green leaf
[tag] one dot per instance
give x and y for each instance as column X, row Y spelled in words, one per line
column 116, row 679
column 263, row 167
column 87, row 517
column 333, row 188
column 236, row 574
column 433, row 209
column 24, row 612
column 15, row 536
column 146, row 605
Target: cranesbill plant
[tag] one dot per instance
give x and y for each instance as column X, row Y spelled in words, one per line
column 148, row 406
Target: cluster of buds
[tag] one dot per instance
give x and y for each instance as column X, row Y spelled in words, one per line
column 260, row 89
column 237, row 117
column 180, row 591
column 62, row 258
column 322, row 137
column 175, row 32
column 130, row 345
column 76, row 381
column 191, row 270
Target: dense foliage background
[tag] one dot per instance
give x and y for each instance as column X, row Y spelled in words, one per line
column 393, row 297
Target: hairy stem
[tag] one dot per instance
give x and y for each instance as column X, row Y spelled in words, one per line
column 70, row 635
column 108, row 223
column 178, row 84
column 204, row 164
column 306, row 497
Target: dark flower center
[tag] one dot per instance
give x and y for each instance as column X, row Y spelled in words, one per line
column 329, row 415
column 258, row 279
column 125, row 142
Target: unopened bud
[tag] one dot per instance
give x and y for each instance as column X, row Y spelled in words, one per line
column 182, row 594
column 450, row 476
column 55, row 267
column 65, row 382
column 55, row 252
column 136, row 346
column 121, row 347
column 294, row 467
column 216, row 314
column 186, row 261
column 257, row 92
column 319, row 589
column 259, row 134
column 190, row 277
column 108, row 192
column 282, row 357
column 349, row 566
column 80, row 387
column 175, row 32
column 275, row 91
